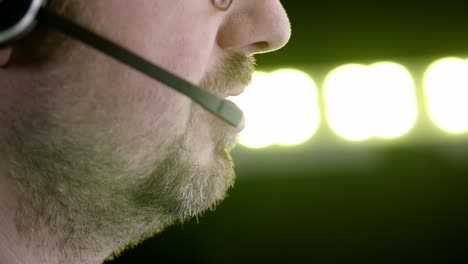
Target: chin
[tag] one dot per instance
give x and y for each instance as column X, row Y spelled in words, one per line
column 206, row 187
column 181, row 187
column 196, row 173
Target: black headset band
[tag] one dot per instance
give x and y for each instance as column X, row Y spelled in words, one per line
column 17, row 18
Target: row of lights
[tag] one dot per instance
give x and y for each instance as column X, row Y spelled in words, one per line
column 361, row 102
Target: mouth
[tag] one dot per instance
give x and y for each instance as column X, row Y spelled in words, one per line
column 241, row 124
column 229, row 95
column 233, row 91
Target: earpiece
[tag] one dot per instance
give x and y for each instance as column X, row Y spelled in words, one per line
column 17, row 18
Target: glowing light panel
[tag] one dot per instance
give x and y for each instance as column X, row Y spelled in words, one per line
column 280, row 108
column 370, row 101
column 446, row 87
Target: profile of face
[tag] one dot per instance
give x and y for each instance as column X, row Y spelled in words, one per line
column 102, row 156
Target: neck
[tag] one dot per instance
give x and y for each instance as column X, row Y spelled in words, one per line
column 10, row 246
column 13, row 247
column 40, row 245
column 16, row 247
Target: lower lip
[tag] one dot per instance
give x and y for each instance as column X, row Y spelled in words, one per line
column 241, row 125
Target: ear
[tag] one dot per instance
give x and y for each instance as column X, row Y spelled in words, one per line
column 5, row 56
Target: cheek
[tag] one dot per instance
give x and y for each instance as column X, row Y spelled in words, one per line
column 184, row 51
column 188, row 57
column 177, row 35
column 148, row 124
column 115, row 103
column 155, row 108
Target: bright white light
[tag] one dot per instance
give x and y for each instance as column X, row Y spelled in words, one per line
column 345, row 94
column 367, row 101
column 258, row 118
column 397, row 100
column 280, row 108
column 446, row 86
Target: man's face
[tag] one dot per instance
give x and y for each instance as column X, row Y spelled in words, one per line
column 119, row 155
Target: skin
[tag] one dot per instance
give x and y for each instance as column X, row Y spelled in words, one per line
column 95, row 156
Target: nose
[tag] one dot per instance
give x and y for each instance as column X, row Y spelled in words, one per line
column 255, row 26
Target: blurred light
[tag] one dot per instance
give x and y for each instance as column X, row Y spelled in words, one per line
column 258, row 116
column 367, row 101
column 446, row 87
column 280, row 108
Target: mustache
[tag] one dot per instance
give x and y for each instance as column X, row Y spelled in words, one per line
column 230, row 76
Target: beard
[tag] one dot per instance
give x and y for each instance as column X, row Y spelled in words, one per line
column 79, row 196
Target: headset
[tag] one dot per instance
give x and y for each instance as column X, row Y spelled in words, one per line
column 19, row 17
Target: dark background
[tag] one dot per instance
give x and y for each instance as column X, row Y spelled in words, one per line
column 332, row 201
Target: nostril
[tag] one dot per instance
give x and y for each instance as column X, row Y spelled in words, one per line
column 262, row 45
column 222, row 4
